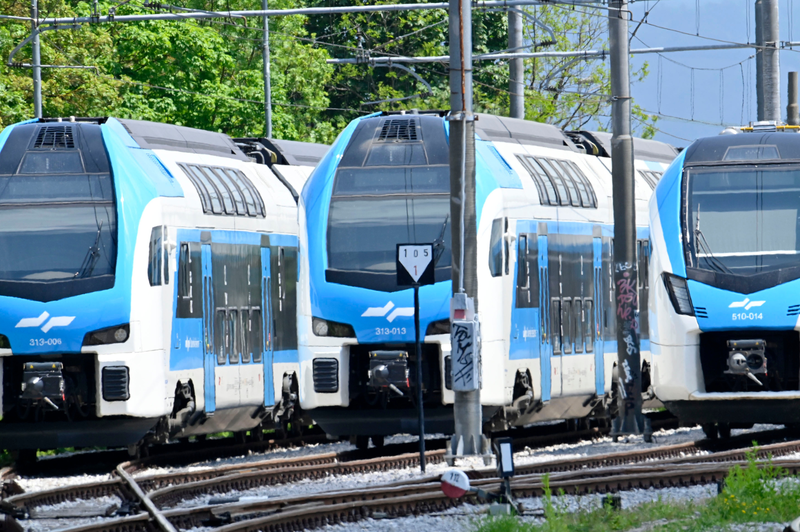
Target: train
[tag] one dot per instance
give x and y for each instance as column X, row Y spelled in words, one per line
column 725, row 275
column 545, row 291
column 147, row 282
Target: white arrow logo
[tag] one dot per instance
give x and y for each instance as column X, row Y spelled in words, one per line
column 747, row 304
column 55, row 321
column 379, row 312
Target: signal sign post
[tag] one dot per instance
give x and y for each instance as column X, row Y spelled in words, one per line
column 415, row 267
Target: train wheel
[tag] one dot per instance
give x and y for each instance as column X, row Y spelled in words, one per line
column 240, row 437
column 378, row 441
column 710, row 430
column 724, row 430
column 362, row 443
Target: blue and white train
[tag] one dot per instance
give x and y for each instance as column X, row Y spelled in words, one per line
column 725, row 272
column 147, row 281
column 544, row 232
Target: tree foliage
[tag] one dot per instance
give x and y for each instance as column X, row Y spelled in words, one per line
column 208, row 73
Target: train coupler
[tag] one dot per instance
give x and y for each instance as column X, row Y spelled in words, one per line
column 43, row 383
column 747, row 358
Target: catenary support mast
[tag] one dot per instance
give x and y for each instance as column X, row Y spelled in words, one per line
column 629, row 379
column 467, row 407
column 267, row 82
column 768, row 71
column 36, row 61
column 516, row 67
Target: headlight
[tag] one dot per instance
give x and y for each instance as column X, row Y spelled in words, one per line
column 438, row 327
column 4, row 343
column 110, row 335
column 679, row 294
column 331, row 328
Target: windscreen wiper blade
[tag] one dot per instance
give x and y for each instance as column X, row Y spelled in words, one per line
column 92, row 256
column 438, row 244
column 709, row 256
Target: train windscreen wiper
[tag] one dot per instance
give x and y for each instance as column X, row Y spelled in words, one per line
column 702, row 245
column 92, row 256
column 438, row 244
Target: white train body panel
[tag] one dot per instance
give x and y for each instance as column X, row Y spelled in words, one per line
column 725, row 278
column 181, row 320
column 352, row 313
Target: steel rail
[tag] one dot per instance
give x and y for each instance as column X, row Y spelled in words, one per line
column 145, row 501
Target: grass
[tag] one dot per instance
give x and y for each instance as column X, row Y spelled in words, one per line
column 757, row 493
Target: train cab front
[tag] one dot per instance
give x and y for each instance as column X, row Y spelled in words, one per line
column 727, row 346
column 385, row 182
column 63, row 305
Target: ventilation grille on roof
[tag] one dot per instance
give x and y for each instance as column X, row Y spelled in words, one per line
column 398, row 129
column 55, row 137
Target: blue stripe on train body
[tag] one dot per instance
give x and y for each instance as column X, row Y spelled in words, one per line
column 137, row 181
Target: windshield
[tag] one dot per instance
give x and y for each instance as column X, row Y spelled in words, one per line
column 743, row 220
column 374, row 209
column 56, row 222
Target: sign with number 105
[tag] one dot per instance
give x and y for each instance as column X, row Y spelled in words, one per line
column 415, row 264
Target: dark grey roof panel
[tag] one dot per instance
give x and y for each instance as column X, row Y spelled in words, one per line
column 643, row 149
column 156, row 136
column 299, row 153
column 713, row 149
column 504, row 129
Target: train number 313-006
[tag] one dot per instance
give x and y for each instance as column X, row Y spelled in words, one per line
column 39, row 342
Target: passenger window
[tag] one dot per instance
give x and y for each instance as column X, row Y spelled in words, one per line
column 578, row 321
column 566, row 327
column 555, row 325
column 233, row 334
column 245, row 327
column 254, row 332
column 221, row 337
column 165, row 254
column 588, row 328
column 496, row 248
column 155, row 260
column 523, row 280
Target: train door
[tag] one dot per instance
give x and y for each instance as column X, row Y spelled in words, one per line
column 545, row 340
column 209, row 356
column 268, row 333
column 596, row 314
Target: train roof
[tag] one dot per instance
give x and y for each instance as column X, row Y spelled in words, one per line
column 504, row 129
column 643, row 149
column 755, row 146
column 155, row 135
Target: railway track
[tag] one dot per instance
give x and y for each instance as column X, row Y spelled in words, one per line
column 172, row 485
column 659, row 467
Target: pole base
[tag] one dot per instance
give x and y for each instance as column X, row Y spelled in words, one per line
column 461, row 447
column 633, row 424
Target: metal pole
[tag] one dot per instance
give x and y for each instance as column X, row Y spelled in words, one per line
column 267, row 82
column 36, row 62
column 516, row 67
column 418, row 348
column 629, row 385
column 771, row 82
column 759, row 61
column 467, row 405
column 793, row 109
